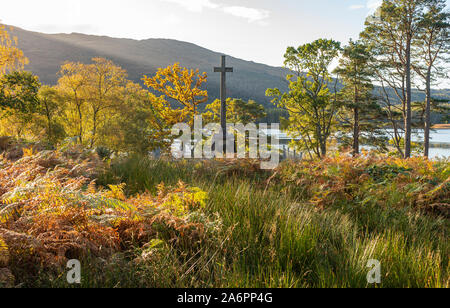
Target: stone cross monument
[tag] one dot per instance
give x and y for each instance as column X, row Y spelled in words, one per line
column 223, row 98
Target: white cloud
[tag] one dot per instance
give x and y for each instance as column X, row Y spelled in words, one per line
column 356, row 7
column 373, row 4
column 195, row 5
column 251, row 14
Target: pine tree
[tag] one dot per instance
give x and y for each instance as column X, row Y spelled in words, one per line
column 391, row 32
column 431, row 47
column 360, row 111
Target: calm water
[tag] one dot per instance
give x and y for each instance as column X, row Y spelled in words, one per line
column 440, row 136
column 439, row 153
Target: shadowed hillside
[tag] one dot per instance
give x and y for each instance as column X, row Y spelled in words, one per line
column 48, row 51
column 249, row 81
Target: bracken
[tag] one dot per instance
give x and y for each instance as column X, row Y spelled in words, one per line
column 52, row 211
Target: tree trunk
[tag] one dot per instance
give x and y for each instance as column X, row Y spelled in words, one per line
column 356, row 132
column 408, row 119
column 94, row 130
column 355, row 123
column 428, row 114
column 80, row 128
column 323, row 148
column 49, row 122
column 50, row 133
column 321, row 143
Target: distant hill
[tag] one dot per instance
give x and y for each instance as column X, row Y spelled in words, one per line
column 48, row 51
column 249, row 81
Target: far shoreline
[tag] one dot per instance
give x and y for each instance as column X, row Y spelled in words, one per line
column 441, row 126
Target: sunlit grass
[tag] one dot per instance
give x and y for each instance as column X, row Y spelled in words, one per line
column 277, row 238
column 225, row 223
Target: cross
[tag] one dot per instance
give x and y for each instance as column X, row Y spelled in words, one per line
column 223, row 98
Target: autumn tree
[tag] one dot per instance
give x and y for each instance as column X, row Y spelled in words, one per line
column 238, row 111
column 93, row 93
column 181, row 85
column 360, row 111
column 51, row 107
column 140, row 126
column 19, row 98
column 72, row 87
column 11, row 57
column 312, row 107
column 391, row 32
column 104, row 92
column 431, row 47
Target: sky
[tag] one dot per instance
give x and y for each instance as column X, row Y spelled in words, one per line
column 256, row 30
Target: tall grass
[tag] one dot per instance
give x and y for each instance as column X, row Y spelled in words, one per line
column 274, row 236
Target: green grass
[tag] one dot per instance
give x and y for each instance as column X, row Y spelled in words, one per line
column 272, row 237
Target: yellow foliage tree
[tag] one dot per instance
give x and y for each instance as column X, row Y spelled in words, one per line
column 106, row 90
column 142, row 124
column 71, row 85
column 95, row 92
column 162, row 119
column 182, row 85
column 11, row 57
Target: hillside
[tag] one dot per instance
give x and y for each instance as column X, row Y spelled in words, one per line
column 249, row 81
column 48, row 51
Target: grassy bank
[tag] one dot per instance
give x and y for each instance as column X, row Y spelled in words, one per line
column 229, row 224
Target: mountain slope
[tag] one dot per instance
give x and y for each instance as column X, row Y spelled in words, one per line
column 48, row 51
column 249, row 81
